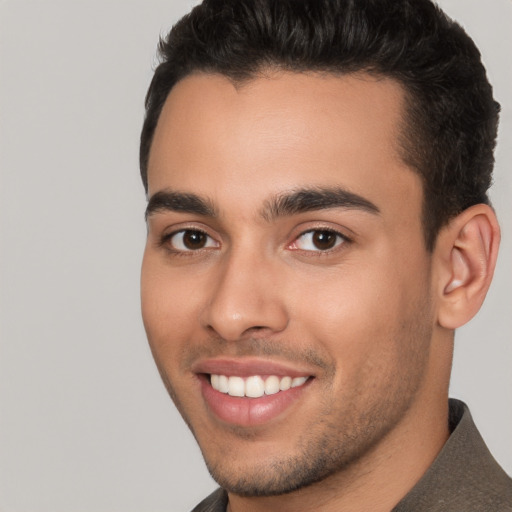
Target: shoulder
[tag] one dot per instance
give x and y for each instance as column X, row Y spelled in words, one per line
column 465, row 477
column 217, row 501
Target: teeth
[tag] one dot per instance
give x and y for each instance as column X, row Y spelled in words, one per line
column 254, row 386
column 223, row 384
column 298, row 381
column 236, row 386
column 286, row 383
column 272, row 385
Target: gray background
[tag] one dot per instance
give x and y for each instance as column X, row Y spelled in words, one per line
column 85, row 424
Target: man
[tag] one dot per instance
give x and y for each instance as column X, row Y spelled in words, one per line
column 318, row 227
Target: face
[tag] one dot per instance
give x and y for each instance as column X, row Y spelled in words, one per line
column 285, row 282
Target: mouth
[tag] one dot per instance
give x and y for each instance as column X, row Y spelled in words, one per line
column 250, row 393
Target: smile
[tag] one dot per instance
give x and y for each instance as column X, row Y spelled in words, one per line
column 254, row 386
column 252, row 391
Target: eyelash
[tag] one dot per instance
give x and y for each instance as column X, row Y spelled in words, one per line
column 165, row 241
column 341, row 239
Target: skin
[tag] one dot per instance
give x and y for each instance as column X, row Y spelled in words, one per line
column 361, row 318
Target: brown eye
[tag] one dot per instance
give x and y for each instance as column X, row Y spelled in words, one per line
column 318, row 240
column 191, row 240
column 194, row 240
column 324, row 240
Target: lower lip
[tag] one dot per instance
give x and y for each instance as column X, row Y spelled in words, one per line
column 245, row 411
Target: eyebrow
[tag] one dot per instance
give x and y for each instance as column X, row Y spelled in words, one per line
column 312, row 199
column 282, row 205
column 171, row 201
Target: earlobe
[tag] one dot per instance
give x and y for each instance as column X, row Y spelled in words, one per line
column 466, row 252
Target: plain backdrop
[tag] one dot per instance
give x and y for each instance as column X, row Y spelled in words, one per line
column 85, row 424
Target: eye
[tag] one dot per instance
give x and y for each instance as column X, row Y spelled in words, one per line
column 318, row 240
column 191, row 240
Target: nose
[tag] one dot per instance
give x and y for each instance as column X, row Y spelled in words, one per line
column 245, row 298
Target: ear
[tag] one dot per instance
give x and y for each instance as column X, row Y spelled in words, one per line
column 465, row 258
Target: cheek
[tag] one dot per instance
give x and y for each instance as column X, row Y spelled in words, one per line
column 346, row 298
column 168, row 302
column 364, row 314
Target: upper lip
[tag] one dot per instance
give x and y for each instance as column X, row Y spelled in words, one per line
column 246, row 367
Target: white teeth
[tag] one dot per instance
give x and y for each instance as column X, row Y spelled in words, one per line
column 298, row 381
column 223, row 384
column 286, row 383
column 254, row 386
column 236, row 386
column 272, row 385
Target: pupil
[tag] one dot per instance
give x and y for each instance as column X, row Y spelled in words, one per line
column 324, row 239
column 194, row 239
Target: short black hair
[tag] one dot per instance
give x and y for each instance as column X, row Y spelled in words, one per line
column 451, row 117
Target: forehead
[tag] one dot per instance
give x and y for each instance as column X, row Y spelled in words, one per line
column 279, row 132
